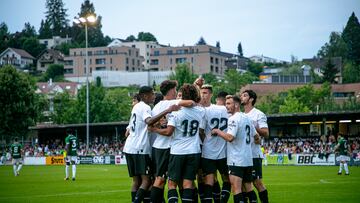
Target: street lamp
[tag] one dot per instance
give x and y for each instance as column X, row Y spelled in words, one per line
column 86, row 21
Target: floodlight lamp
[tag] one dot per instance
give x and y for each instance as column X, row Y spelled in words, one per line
column 76, row 21
column 91, row 19
column 82, row 19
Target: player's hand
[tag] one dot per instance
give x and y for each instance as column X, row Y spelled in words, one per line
column 199, row 82
column 257, row 139
column 174, row 108
column 152, row 128
column 215, row 131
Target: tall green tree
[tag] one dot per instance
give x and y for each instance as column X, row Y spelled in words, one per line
column 183, row 74
column 255, row 68
column 33, row 46
column 201, row 41
column 94, row 30
column 240, row 50
column 329, row 72
column 29, row 30
column 56, row 17
column 146, row 36
column 4, row 36
column 131, row 38
column 45, row 30
column 17, row 100
column 351, row 36
column 336, row 47
column 351, row 72
column 55, row 72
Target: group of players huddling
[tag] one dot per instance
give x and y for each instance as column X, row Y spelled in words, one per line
column 187, row 138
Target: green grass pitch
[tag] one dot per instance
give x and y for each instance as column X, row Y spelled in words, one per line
column 101, row 183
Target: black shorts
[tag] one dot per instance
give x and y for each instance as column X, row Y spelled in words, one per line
column 243, row 172
column 257, row 168
column 160, row 158
column 209, row 166
column 138, row 164
column 183, row 167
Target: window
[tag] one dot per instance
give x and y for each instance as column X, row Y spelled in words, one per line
column 212, row 68
column 217, row 69
column 129, row 52
column 156, row 53
column 100, row 68
column 180, row 60
column 211, row 59
column 90, row 61
column 133, row 62
column 110, row 60
column 68, row 71
column 186, row 51
column 133, row 69
column 100, row 61
column 179, row 51
column 42, row 65
column 343, row 94
column 137, row 54
column 216, row 61
column 138, row 62
column 67, row 87
column 169, row 52
column 127, row 68
column 74, row 53
column 89, row 53
column 154, row 62
column 133, row 46
column 147, row 54
column 171, row 60
column 127, row 60
column 110, row 67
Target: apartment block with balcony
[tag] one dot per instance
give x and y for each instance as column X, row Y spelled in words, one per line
column 200, row 58
column 103, row 58
column 144, row 48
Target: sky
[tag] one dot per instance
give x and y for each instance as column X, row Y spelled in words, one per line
column 273, row 28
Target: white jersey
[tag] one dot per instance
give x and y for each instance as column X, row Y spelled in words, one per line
column 138, row 141
column 239, row 150
column 162, row 142
column 187, row 121
column 259, row 120
column 214, row 147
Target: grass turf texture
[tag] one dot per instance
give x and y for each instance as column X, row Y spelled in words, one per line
column 101, row 183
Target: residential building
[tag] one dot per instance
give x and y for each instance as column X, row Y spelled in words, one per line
column 48, row 57
column 54, row 41
column 200, row 58
column 274, row 75
column 102, row 58
column 235, row 61
column 50, row 89
column 341, row 92
column 144, row 47
column 265, row 59
column 318, row 63
column 18, row 58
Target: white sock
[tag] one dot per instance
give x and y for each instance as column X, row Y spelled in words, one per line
column 67, row 171
column 341, row 167
column 19, row 167
column 346, row 168
column 73, row 170
column 14, row 167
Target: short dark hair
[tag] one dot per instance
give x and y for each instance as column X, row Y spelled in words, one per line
column 222, row 94
column 137, row 97
column 145, row 90
column 16, row 139
column 235, row 98
column 167, row 85
column 158, row 98
column 252, row 95
column 207, row 87
column 190, row 92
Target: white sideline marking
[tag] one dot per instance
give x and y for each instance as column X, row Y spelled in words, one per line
column 64, row 194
